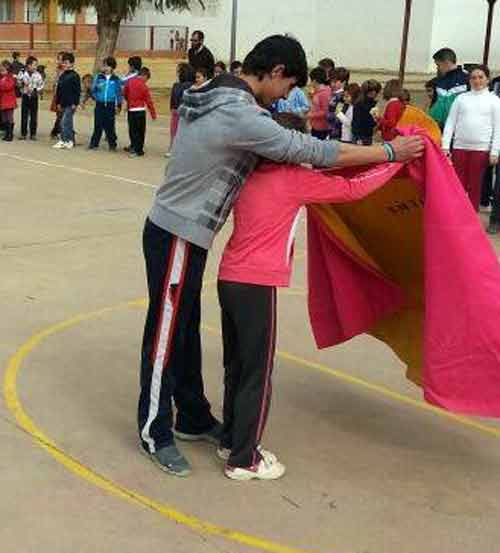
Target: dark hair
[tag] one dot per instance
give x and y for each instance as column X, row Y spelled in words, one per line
column 484, row 68
column 110, row 61
column 392, row 89
column 371, row 85
column 60, row 54
column 328, row 65
column 7, row 65
column 222, row 65
column 202, row 70
column 185, row 72
column 41, row 69
column 199, row 34
column 431, row 83
column 235, row 65
column 291, row 121
column 319, row 75
column 445, row 54
column 354, row 91
column 135, row 62
column 145, row 72
column 16, row 55
column 87, row 76
column 68, row 56
column 30, row 60
column 277, row 50
column 405, row 96
column 341, row 74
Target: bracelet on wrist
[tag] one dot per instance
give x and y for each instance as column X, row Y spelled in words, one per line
column 389, row 150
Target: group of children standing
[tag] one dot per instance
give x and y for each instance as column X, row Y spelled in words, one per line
column 340, row 110
column 70, row 92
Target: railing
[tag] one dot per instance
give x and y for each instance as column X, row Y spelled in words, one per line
column 45, row 36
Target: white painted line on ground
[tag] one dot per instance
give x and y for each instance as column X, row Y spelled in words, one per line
column 79, row 170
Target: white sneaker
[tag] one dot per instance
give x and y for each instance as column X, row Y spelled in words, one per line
column 268, row 468
column 59, row 145
column 223, row 454
column 168, row 155
column 69, row 145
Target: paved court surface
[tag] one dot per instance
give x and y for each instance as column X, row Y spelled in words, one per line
column 370, row 470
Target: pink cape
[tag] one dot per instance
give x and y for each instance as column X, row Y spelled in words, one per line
column 412, row 265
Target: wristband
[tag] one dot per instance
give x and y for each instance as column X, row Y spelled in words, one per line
column 389, row 150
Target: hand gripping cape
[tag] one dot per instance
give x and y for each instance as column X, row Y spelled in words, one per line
column 411, row 265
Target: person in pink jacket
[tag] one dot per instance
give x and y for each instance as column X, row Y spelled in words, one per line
column 257, row 259
column 322, row 94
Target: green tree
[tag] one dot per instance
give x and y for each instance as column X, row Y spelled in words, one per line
column 111, row 13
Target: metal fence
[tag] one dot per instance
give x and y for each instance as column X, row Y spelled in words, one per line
column 45, row 36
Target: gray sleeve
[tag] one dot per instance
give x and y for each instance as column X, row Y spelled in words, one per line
column 255, row 131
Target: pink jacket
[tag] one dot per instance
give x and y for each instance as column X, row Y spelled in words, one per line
column 260, row 250
column 455, row 286
column 318, row 116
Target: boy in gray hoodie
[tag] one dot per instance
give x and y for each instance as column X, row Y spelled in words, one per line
column 224, row 129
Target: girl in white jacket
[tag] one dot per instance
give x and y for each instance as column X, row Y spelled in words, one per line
column 474, row 128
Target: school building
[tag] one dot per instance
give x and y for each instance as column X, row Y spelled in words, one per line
column 358, row 34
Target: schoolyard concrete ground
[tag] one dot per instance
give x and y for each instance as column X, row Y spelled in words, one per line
column 370, row 468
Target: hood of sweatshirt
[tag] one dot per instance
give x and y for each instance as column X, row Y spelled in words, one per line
column 221, row 91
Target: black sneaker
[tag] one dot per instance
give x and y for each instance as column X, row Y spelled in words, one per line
column 112, row 148
column 169, row 459
column 213, row 436
column 92, row 147
column 33, row 137
column 22, row 137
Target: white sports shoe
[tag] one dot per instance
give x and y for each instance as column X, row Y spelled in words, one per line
column 223, row 453
column 268, row 468
column 69, row 145
column 59, row 145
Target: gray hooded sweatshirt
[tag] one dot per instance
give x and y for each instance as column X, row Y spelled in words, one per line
column 222, row 133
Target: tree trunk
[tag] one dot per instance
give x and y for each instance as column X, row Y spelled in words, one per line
column 108, row 29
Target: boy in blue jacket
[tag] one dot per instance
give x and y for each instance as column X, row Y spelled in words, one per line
column 107, row 93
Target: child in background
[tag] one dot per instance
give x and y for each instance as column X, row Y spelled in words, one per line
column 107, row 93
column 364, row 114
column 31, row 84
column 56, row 129
column 328, row 65
column 405, row 97
column 236, row 68
column 43, row 74
column 138, row 97
column 338, row 82
column 351, row 96
column 185, row 80
column 87, row 82
column 219, row 68
column 430, row 91
column 257, row 259
column 296, row 102
column 320, row 101
column 393, row 111
column 68, row 98
column 8, row 101
column 200, row 77
column 134, row 66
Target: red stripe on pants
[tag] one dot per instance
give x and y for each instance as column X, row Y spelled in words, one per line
column 471, row 167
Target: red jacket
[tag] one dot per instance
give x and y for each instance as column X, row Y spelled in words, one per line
column 8, row 92
column 394, row 109
column 318, row 116
column 137, row 94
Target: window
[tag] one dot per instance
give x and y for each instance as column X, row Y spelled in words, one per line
column 65, row 17
column 6, row 11
column 90, row 16
column 33, row 13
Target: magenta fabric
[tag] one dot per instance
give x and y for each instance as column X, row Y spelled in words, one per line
column 461, row 345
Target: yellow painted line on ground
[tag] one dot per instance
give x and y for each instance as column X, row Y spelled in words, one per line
column 16, row 408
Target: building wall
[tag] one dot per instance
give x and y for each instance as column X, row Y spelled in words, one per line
column 464, row 30
column 357, row 33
